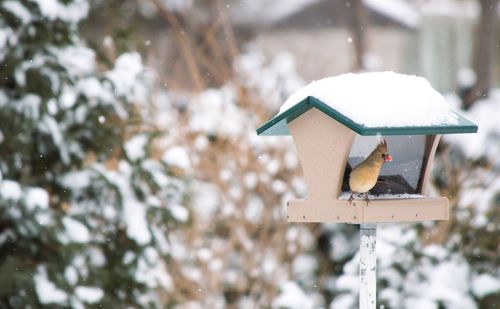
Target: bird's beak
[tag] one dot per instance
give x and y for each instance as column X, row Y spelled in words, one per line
column 388, row 158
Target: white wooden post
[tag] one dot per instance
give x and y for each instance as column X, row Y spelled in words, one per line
column 368, row 266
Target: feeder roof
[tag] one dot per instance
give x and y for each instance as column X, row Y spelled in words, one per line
column 374, row 103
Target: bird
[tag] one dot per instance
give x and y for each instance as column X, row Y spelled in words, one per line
column 364, row 176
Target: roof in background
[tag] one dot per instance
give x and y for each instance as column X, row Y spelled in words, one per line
column 314, row 13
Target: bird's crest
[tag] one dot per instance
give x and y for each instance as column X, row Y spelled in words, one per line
column 382, row 145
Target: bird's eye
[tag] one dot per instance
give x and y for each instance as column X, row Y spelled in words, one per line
column 383, row 155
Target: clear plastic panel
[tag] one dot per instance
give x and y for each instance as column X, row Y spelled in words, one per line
column 402, row 174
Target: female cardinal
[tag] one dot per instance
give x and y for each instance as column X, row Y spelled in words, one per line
column 364, row 176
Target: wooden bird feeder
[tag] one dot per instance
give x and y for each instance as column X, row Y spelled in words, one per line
column 329, row 144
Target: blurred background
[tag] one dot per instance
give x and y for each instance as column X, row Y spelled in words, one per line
column 132, row 176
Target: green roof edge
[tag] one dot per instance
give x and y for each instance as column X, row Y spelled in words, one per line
column 279, row 124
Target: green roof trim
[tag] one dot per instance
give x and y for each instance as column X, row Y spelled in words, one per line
column 279, row 124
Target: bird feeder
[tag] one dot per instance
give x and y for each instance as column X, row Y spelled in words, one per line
column 336, row 123
column 329, row 144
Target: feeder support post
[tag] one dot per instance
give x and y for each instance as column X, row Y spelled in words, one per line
column 368, row 266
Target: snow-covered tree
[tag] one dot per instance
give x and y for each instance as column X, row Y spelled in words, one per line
column 85, row 201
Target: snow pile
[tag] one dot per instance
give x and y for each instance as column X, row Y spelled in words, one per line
column 127, row 77
column 293, row 297
column 72, row 12
column 89, row 294
column 214, row 112
column 177, row 156
column 36, row 197
column 46, row 290
column 33, row 198
column 10, row 190
column 7, row 38
column 79, row 60
column 446, row 282
column 76, row 231
column 135, row 148
column 485, row 284
column 179, row 212
column 134, row 212
column 18, row 10
column 380, row 99
column 151, row 270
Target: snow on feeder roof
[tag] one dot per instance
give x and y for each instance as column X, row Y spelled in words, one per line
column 373, row 103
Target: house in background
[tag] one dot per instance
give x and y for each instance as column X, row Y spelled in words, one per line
column 433, row 39
column 445, row 42
column 318, row 34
